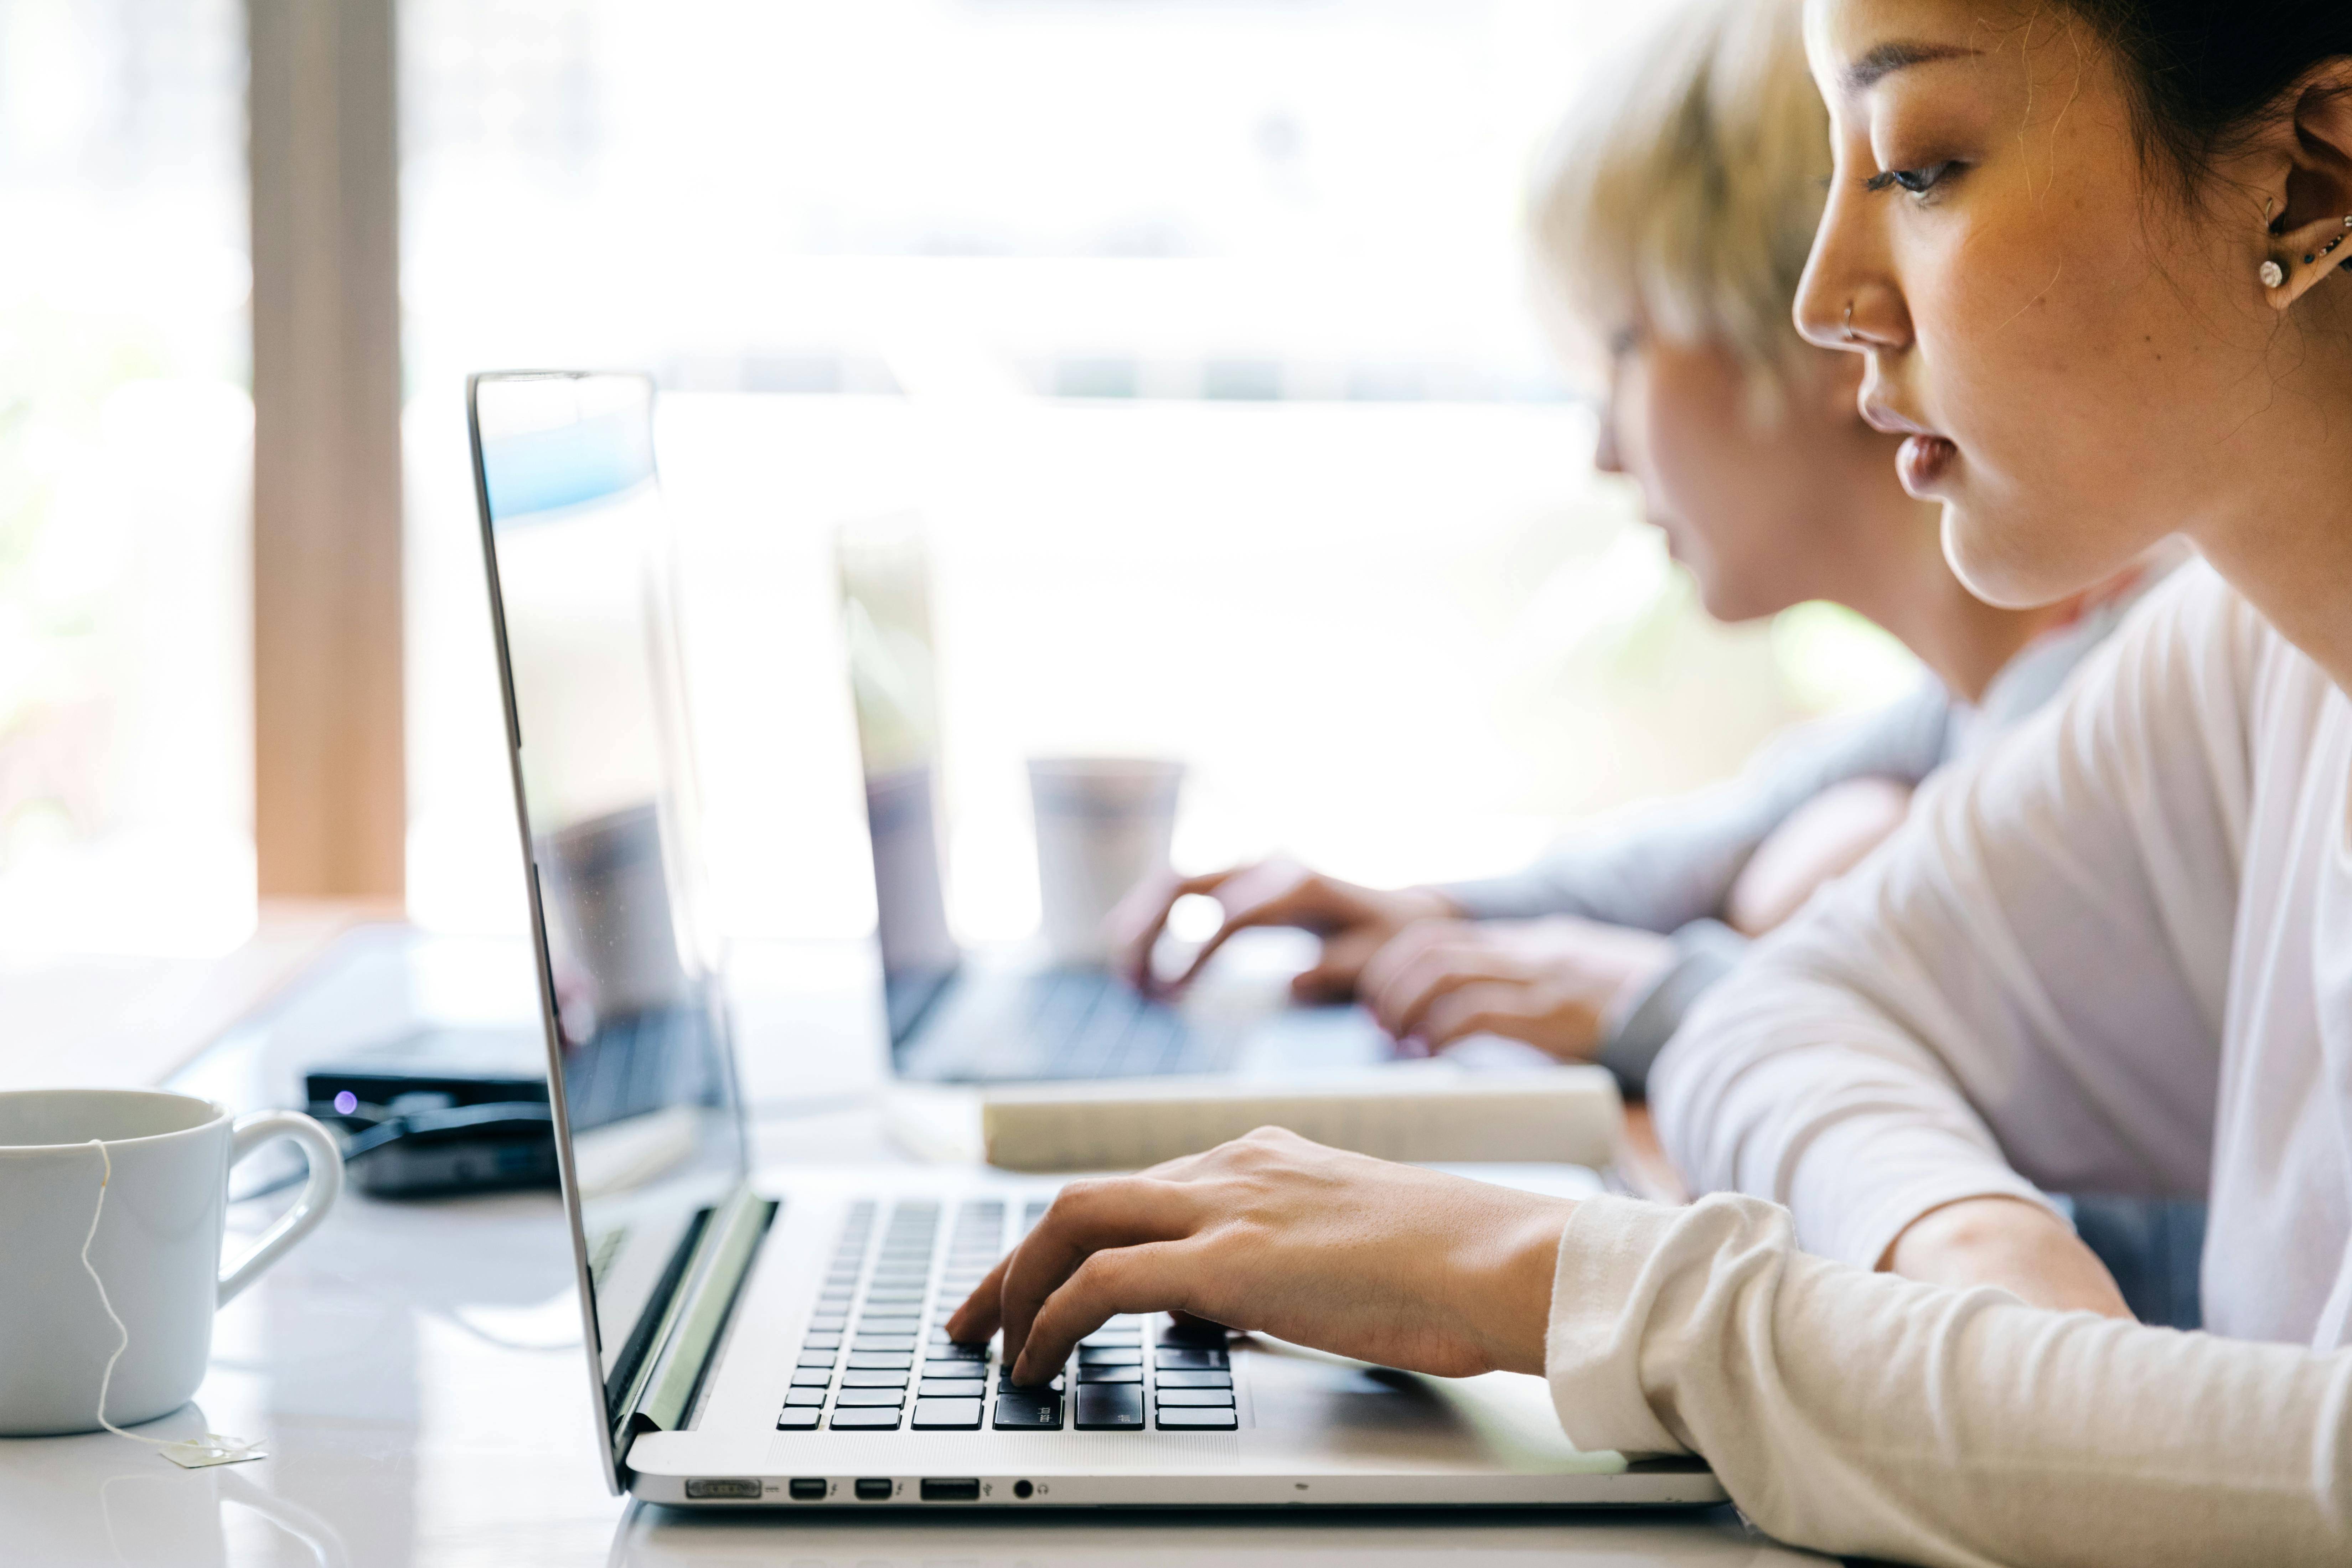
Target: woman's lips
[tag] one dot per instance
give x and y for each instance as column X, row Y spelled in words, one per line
column 1925, row 457
column 1923, row 460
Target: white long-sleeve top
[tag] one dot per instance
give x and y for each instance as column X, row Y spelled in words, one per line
column 2114, row 954
column 1874, row 1415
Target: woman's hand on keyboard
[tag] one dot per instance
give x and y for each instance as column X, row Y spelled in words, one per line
column 1354, row 922
column 1387, row 1263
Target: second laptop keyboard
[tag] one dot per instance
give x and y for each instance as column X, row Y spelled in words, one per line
column 876, row 1355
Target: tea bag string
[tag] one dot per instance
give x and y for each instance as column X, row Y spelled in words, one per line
column 122, row 1332
column 210, row 1447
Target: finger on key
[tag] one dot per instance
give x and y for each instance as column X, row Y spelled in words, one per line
column 1150, row 1278
column 1088, row 1217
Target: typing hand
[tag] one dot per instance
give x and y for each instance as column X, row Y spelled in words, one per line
column 1353, row 921
column 1391, row 1264
column 1553, row 983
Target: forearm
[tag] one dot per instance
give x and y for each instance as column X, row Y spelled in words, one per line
column 1866, row 1414
column 1788, row 1087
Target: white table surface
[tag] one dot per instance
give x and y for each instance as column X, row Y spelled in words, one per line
column 416, row 1367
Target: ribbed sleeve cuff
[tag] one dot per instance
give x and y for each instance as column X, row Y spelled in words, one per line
column 1607, row 1278
column 1705, row 952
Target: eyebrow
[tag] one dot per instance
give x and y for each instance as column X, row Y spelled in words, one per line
column 1885, row 60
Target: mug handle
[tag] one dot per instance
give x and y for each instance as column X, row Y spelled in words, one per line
column 325, row 1158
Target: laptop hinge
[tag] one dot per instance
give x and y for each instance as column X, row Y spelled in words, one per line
column 666, row 1391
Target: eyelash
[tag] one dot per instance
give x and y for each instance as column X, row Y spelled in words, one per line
column 1919, row 183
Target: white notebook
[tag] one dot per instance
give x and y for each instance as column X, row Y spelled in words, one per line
column 1430, row 1113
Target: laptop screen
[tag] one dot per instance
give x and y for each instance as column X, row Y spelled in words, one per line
column 647, row 1114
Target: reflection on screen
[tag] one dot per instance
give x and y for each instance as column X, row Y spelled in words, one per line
column 580, row 563
column 886, row 609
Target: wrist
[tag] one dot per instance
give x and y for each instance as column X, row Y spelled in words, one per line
column 1422, row 903
column 1505, row 1291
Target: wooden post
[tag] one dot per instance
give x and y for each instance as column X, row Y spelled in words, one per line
column 330, row 798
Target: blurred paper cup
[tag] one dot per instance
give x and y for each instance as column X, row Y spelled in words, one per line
column 1104, row 825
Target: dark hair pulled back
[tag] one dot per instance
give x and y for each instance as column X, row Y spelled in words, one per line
column 2206, row 74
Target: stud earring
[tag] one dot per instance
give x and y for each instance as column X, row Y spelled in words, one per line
column 2272, row 274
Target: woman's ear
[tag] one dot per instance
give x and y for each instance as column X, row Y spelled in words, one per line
column 2310, row 233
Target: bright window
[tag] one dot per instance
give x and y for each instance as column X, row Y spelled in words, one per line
column 125, row 465
column 1193, row 332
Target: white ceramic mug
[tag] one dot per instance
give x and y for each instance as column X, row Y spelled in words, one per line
column 1103, row 824
column 157, row 1248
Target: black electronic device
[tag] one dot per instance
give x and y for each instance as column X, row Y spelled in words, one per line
column 438, row 1112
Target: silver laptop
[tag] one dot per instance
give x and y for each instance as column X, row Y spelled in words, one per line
column 994, row 1017
column 780, row 1345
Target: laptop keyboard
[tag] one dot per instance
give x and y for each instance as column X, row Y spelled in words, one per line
column 876, row 1356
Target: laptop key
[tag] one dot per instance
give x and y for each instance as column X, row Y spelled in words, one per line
column 950, row 1388
column 1112, row 1355
column 804, row 1396
column 1101, row 1375
column 1195, row 1398
column 949, row 1350
column 822, row 1342
column 1028, row 1410
column 874, row 1379
column 877, row 1342
column 1178, row 1417
column 1182, row 1360
column 946, row 1415
column 1004, row 1383
column 812, row 1376
column 1196, row 1380
column 886, row 1417
column 798, row 1418
column 872, row 1360
column 1109, row 1407
column 850, row 1398
column 944, row 1367
column 818, row 1358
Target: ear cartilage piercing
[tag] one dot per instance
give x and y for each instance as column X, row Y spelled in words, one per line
column 2330, row 245
column 2272, row 275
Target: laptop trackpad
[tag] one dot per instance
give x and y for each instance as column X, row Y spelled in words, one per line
column 1359, row 1412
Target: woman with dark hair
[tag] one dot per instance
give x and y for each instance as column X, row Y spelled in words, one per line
column 2092, row 253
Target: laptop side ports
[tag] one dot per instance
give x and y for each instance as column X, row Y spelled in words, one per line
column 808, row 1488
column 743, row 1490
column 936, row 1489
column 874, row 1489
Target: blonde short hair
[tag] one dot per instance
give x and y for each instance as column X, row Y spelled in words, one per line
column 1685, row 188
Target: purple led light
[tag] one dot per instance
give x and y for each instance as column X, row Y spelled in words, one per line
column 346, row 1102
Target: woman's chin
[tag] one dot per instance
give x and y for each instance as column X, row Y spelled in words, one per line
column 2003, row 568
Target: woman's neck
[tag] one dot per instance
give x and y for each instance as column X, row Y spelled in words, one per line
column 1965, row 641
column 1894, row 572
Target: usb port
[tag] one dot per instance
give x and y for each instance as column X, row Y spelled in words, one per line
column 874, row 1489
column 808, row 1488
column 700, row 1488
column 952, row 1490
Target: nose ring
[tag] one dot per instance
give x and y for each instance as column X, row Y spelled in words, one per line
column 1848, row 325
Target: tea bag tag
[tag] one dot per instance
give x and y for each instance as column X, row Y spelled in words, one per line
column 213, row 1449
